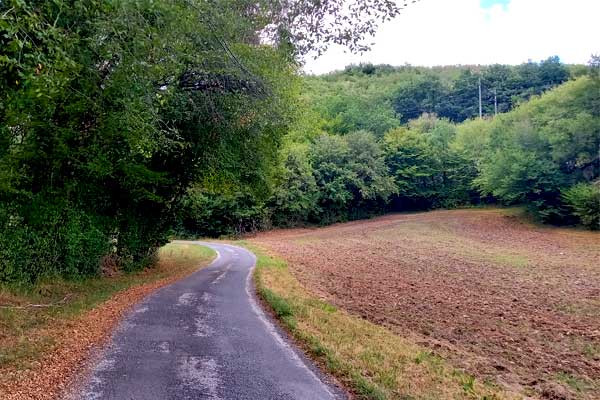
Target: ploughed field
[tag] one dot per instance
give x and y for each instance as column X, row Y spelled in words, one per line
column 509, row 301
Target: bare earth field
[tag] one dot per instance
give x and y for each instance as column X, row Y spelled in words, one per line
column 508, row 301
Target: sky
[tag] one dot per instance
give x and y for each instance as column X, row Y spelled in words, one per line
column 445, row 32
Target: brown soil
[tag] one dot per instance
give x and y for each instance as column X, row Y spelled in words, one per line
column 502, row 298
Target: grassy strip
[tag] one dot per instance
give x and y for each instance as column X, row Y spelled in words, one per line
column 372, row 361
column 28, row 333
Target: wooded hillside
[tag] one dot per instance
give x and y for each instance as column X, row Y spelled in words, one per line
column 350, row 154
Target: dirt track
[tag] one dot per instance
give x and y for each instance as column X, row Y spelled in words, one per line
column 502, row 298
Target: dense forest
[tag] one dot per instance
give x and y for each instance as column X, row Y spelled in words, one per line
column 111, row 109
column 124, row 122
column 379, row 97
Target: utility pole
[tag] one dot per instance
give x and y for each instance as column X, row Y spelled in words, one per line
column 495, row 101
column 480, row 109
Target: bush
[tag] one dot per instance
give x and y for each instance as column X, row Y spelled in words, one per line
column 52, row 240
column 584, row 201
column 214, row 215
column 541, row 147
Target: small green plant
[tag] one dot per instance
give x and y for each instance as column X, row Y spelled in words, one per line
column 584, row 201
column 578, row 384
column 468, row 384
column 280, row 306
column 591, row 350
column 366, row 389
column 422, row 356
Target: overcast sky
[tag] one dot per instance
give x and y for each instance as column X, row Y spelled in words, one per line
column 442, row 32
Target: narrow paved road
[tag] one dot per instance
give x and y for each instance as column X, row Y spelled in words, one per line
column 204, row 337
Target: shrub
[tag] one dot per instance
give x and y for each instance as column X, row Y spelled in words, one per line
column 584, row 201
column 51, row 240
column 208, row 214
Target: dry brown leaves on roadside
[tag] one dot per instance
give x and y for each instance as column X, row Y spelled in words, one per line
column 48, row 377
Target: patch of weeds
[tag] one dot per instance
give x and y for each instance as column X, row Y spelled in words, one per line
column 591, row 350
column 468, row 384
column 388, row 379
column 372, row 356
column 280, row 306
column 270, row 262
column 513, row 260
column 366, row 390
column 423, row 356
column 466, row 381
column 321, row 305
column 318, row 350
column 577, row 383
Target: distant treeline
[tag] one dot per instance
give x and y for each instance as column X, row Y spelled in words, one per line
column 336, row 166
column 453, row 92
column 380, row 97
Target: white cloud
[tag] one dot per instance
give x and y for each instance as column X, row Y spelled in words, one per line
column 441, row 32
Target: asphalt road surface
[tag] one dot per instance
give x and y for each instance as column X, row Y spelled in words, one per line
column 204, row 337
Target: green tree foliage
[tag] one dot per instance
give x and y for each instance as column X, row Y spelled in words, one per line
column 351, row 175
column 327, row 179
column 533, row 155
column 377, row 97
column 428, row 171
column 543, row 147
column 358, row 103
column 425, row 94
column 410, row 160
column 220, row 213
column 295, row 194
column 111, row 109
column 584, row 201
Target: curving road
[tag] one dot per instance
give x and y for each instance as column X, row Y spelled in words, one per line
column 204, row 337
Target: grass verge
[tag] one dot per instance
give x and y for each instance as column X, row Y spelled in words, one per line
column 42, row 346
column 370, row 360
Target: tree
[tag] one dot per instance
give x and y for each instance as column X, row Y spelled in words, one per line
column 543, row 147
column 411, row 163
column 367, row 161
column 584, row 201
column 351, row 175
column 113, row 110
column 315, row 25
column 422, row 95
column 464, row 97
column 295, row 194
column 496, row 81
column 428, row 172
